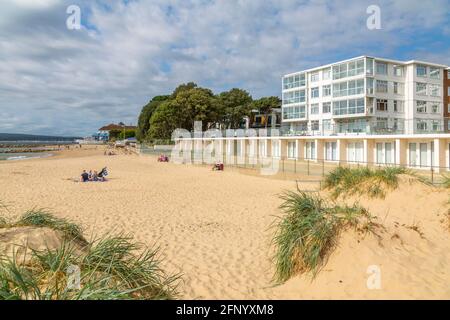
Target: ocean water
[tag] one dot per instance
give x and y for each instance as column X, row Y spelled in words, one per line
column 24, row 156
column 11, row 150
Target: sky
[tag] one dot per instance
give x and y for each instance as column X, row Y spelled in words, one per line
column 58, row 81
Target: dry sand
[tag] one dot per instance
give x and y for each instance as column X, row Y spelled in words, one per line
column 214, row 227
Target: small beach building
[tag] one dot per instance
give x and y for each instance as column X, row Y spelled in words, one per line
column 104, row 133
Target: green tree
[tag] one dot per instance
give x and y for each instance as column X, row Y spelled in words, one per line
column 165, row 120
column 196, row 104
column 114, row 134
column 146, row 114
column 128, row 133
column 183, row 87
column 234, row 106
column 265, row 105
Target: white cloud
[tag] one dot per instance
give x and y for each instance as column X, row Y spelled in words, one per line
column 35, row 3
column 53, row 80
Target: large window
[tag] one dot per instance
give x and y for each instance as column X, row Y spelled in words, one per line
column 331, row 151
column 315, row 77
column 326, row 107
column 296, row 81
column 294, row 97
column 355, row 68
column 421, row 70
column 382, row 105
column 326, row 125
column 385, row 153
column 421, row 125
column 352, row 126
column 327, row 74
column 398, row 88
column 421, row 106
column 348, row 69
column 315, row 125
column 295, row 112
column 382, row 86
column 315, row 108
column 369, row 66
column 398, row 106
column 344, row 107
column 412, row 155
column 421, row 88
column 370, row 84
column 355, row 87
column 382, row 68
column 292, row 150
column 435, row 107
column 310, row 150
column 435, row 73
column 326, row 91
column 398, row 71
column 355, row 152
column 435, row 90
column 348, row 88
column 314, row 92
column 276, row 148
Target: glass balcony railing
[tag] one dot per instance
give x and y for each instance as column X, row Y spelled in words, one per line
column 355, row 127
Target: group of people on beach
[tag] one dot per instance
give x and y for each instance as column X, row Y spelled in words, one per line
column 94, row 176
column 163, row 158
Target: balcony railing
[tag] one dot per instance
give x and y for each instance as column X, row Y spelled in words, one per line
column 361, row 127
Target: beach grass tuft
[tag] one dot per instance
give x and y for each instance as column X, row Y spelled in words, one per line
column 3, row 220
column 308, row 231
column 41, row 218
column 344, row 181
column 111, row 267
column 446, row 181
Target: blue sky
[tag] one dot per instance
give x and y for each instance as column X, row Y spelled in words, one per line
column 71, row 82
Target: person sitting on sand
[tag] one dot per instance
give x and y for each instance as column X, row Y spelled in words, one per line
column 102, row 175
column 163, row 158
column 218, row 167
column 84, row 176
column 95, row 176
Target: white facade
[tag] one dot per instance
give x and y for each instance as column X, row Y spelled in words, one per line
column 365, row 95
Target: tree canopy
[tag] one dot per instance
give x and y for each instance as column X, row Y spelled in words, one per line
column 146, row 114
column 189, row 103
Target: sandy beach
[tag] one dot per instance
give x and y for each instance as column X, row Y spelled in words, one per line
column 215, row 227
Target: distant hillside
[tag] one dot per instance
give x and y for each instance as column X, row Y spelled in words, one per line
column 30, row 137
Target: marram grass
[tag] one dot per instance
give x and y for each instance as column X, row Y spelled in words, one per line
column 446, row 181
column 112, row 267
column 307, row 232
column 345, row 181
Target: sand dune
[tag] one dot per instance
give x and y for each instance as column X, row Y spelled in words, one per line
column 214, row 227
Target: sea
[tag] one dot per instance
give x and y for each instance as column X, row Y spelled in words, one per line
column 41, row 149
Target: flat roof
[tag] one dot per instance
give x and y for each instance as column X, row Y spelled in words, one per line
column 376, row 58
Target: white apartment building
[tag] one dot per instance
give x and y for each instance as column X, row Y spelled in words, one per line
column 362, row 110
column 366, row 95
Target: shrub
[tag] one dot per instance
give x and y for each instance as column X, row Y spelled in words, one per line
column 446, row 181
column 42, row 218
column 308, row 232
column 349, row 181
column 111, row 268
